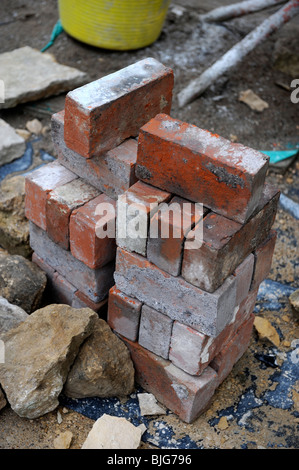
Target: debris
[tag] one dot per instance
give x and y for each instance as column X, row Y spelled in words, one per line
column 223, row 423
column 267, row 359
column 283, row 85
column 266, row 330
column 237, row 9
column 294, row 300
column 111, row 432
column 58, row 29
column 253, row 101
column 31, row 75
column 234, row 56
column 279, row 155
column 64, row 440
column 148, row 405
column 34, row 126
column 59, row 417
column 10, row 316
column 103, row 367
column 44, row 346
column 12, row 145
column 24, row 134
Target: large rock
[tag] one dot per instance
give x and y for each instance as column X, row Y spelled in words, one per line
column 103, row 367
column 31, row 75
column 111, row 432
column 22, row 283
column 38, row 355
column 10, row 316
column 12, row 145
column 14, row 226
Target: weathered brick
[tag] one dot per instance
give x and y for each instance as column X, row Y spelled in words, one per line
column 155, row 331
column 134, row 210
column 185, row 395
column 202, row 167
column 173, row 296
column 193, row 351
column 173, row 221
column 232, row 351
column 226, row 243
column 94, row 283
column 102, row 114
column 59, row 206
column 85, row 222
column 82, row 301
column 263, row 259
column 38, row 185
column 243, row 274
column 123, row 314
column 112, row 173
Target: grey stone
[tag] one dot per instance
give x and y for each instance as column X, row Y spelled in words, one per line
column 12, row 145
column 22, row 283
column 31, row 75
column 148, row 405
column 103, row 367
column 10, row 316
column 38, row 355
column 95, row 283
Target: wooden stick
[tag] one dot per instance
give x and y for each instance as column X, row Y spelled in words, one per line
column 231, row 58
column 238, row 9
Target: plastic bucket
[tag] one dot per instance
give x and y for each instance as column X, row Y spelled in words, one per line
column 114, row 24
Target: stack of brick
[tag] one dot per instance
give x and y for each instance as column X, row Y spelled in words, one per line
column 183, row 307
column 95, row 141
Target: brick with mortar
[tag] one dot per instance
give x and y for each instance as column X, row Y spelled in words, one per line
column 123, row 314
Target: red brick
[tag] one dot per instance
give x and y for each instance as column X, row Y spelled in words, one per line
column 80, row 300
column 85, row 244
column 226, row 243
column 263, row 259
column 202, row 167
column 232, row 351
column 193, row 351
column 38, row 185
column 155, row 331
column 134, row 208
column 60, row 204
column 103, row 113
column 123, row 314
column 173, row 222
column 185, row 395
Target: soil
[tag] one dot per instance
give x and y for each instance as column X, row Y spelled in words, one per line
column 188, row 48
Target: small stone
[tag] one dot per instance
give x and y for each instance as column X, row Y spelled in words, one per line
column 266, row 330
column 10, row 316
column 22, row 283
column 223, row 423
column 12, row 145
column 34, row 126
column 24, row 134
column 148, row 405
column 294, row 300
column 253, row 101
column 59, row 417
column 63, row 441
column 111, row 432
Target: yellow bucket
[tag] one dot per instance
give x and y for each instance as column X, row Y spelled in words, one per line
column 114, row 24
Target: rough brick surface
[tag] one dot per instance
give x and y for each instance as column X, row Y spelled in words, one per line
column 233, row 350
column 63, row 290
column 202, row 167
column 134, row 209
column 38, row 185
column 112, row 173
column 193, row 351
column 60, row 204
column 103, row 113
column 173, row 296
column 226, row 243
column 94, row 283
column 155, row 331
column 263, row 259
column 123, row 314
column 85, row 222
column 173, row 222
column 183, row 394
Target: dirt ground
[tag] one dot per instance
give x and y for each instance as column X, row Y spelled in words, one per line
column 245, row 411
